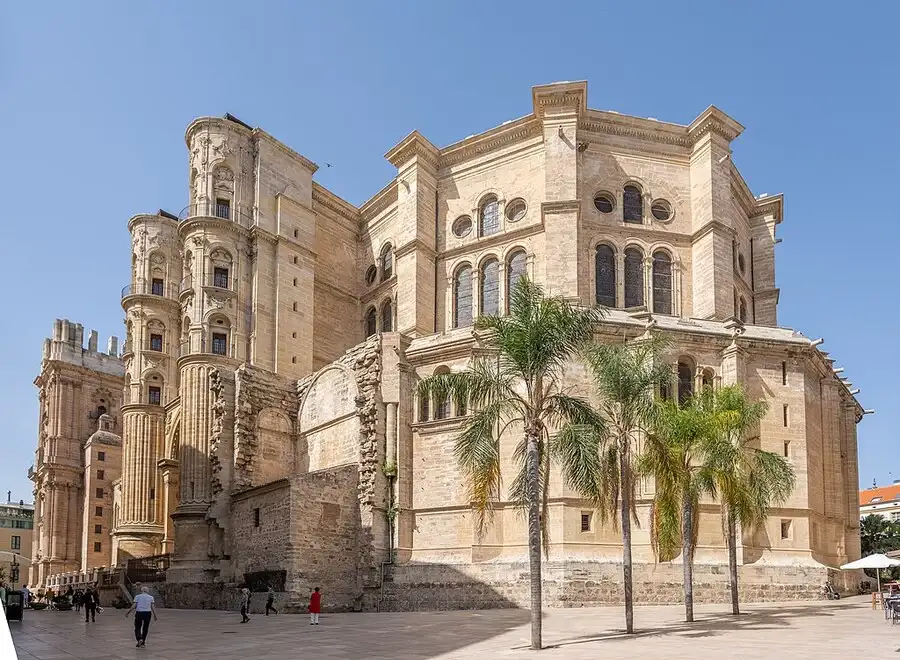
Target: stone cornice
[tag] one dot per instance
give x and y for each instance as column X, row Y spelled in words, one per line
column 413, row 245
column 649, row 130
column 515, row 131
column 414, row 145
column 379, row 290
column 260, row 490
column 379, row 201
column 147, row 408
column 710, row 227
column 772, row 205
column 259, row 234
column 493, row 240
column 138, row 217
column 281, row 146
column 187, row 226
column 217, row 121
column 326, row 198
column 713, row 120
column 561, row 206
column 559, row 95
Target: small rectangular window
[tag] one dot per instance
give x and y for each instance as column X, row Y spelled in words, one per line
column 785, row 530
column 296, row 233
column 785, row 415
column 98, row 529
column 586, row 521
column 223, row 208
column 295, row 281
column 154, row 396
column 220, row 277
column 98, row 511
column 16, row 543
column 156, row 343
column 294, row 306
column 152, row 493
column 100, row 474
column 157, row 287
column 98, row 546
column 295, row 260
column 256, row 517
column 424, row 412
column 101, row 455
column 784, row 373
column 99, row 493
column 220, row 343
column 787, row 449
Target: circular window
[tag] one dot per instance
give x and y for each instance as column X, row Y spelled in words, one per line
column 371, row 274
column 741, row 265
column 661, row 210
column 515, row 210
column 604, row 203
column 462, row 226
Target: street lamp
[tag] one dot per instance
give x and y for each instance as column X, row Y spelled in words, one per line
column 14, row 571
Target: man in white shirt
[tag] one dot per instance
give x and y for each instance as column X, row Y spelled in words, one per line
column 142, row 607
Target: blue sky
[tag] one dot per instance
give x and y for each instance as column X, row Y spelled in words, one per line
column 95, row 97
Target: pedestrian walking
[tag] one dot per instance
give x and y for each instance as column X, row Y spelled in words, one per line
column 78, row 599
column 270, row 601
column 315, row 606
column 245, row 605
column 90, row 600
column 26, row 596
column 143, row 607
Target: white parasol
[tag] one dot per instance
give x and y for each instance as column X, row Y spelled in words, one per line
column 876, row 561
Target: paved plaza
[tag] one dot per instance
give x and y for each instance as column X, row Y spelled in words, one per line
column 846, row 629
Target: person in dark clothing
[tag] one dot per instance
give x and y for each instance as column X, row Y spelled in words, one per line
column 77, row 597
column 245, row 605
column 90, row 602
column 270, row 601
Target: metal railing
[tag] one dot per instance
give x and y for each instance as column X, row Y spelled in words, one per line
column 209, row 279
column 148, row 569
column 216, row 210
column 206, row 346
column 148, row 289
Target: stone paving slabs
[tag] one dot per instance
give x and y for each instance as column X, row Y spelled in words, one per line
column 845, row 629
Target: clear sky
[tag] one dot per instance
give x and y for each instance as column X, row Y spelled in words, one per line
column 95, row 97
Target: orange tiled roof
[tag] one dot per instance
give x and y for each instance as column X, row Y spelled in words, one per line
column 886, row 493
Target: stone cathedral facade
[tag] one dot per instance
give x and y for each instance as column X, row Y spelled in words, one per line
column 275, row 335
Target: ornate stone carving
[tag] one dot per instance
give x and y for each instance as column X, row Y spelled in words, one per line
column 217, row 388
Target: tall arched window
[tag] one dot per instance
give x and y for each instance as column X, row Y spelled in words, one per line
column 462, row 297
column 707, row 379
column 662, row 283
column 742, row 310
column 387, row 262
column 632, row 205
column 685, row 382
column 387, row 317
column 424, row 409
column 442, row 406
column 634, row 277
column 489, row 300
column 605, row 269
column 515, row 271
column 489, row 216
column 371, row 322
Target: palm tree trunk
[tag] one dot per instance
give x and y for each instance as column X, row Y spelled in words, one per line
column 532, row 456
column 625, row 481
column 687, row 558
column 732, row 563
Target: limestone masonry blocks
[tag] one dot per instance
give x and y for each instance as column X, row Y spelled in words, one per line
column 275, row 334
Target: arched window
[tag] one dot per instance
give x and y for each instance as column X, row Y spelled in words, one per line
column 442, row 406
column 662, row 283
column 742, row 310
column 423, row 409
column 371, row 322
column 685, row 382
column 489, row 216
column 634, row 277
column 387, row 262
column 462, row 297
column 515, row 271
column 489, row 300
column 632, row 205
column 387, row 317
column 605, row 268
column 707, row 379
column 462, row 408
column 219, row 330
column 101, row 410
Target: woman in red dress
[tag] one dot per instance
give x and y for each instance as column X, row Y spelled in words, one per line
column 315, row 606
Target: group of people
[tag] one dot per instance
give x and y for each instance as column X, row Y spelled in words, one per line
column 315, row 605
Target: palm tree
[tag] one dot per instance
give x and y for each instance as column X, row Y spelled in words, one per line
column 627, row 377
column 749, row 480
column 520, row 384
column 676, row 455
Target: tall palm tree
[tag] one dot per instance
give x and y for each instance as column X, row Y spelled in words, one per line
column 626, row 377
column 676, row 454
column 749, row 480
column 520, row 385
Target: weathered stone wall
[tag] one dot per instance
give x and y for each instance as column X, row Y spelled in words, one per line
column 415, row 587
column 309, row 526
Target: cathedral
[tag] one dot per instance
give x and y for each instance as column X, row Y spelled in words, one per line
column 261, row 421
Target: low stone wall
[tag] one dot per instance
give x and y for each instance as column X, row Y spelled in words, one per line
column 207, row 596
column 415, row 587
